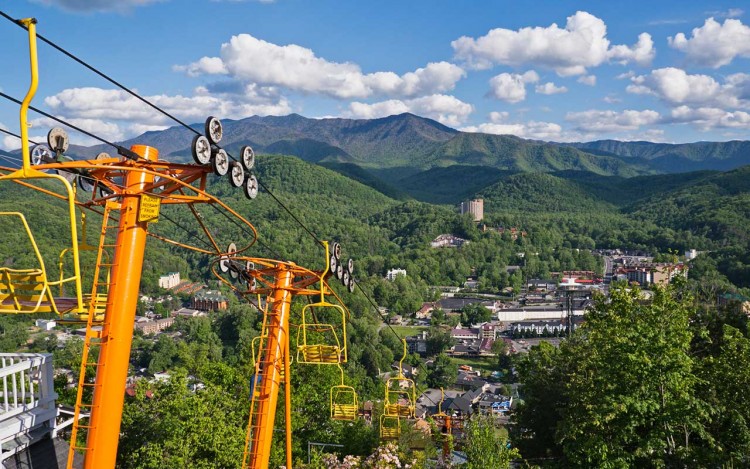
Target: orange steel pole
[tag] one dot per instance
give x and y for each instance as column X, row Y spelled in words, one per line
column 276, row 346
column 288, row 406
column 117, row 332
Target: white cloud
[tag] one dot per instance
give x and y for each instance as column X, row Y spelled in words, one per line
column 569, row 51
column 88, row 6
column 9, row 142
column 648, row 135
column 532, row 130
column 714, row 44
column 499, row 125
column 730, row 13
column 297, row 68
column 612, row 121
column 204, row 65
column 642, row 52
column 550, row 88
column 589, row 80
column 611, row 99
column 707, row 118
column 97, row 103
column 676, row 87
column 445, row 109
column 116, row 115
column 511, row 87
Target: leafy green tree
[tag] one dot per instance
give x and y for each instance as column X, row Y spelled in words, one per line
column 725, row 380
column 542, row 377
column 438, row 340
column 485, row 447
column 475, row 313
column 442, row 372
column 174, row 427
column 631, row 386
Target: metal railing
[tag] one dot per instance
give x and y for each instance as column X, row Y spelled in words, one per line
column 27, row 400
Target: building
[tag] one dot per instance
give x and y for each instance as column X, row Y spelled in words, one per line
column 393, row 273
column 188, row 313
column 489, row 331
column 153, row 327
column 447, row 241
column 417, row 343
column 209, row 300
column 170, row 280
column 463, row 334
column 45, row 324
column 473, row 207
column 647, row 274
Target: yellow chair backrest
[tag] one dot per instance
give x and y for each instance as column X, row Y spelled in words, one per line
column 25, row 290
column 317, row 341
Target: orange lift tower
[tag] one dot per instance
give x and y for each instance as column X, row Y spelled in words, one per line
column 279, row 281
column 133, row 186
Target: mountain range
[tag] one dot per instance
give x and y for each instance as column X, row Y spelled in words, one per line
column 410, row 156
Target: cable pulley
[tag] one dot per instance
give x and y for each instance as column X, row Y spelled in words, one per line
column 57, row 139
column 214, row 130
column 251, row 187
column 236, row 174
column 201, row 150
column 220, row 162
column 247, row 157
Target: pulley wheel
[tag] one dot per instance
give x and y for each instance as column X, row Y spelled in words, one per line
column 224, row 264
column 333, row 264
column 339, row 271
column 351, row 284
column 57, row 139
column 86, row 183
column 248, row 157
column 214, row 131
column 201, row 150
column 41, row 154
column 251, row 187
column 221, row 162
column 336, row 250
column 345, row 278
column 236, row 174
column 350, row 266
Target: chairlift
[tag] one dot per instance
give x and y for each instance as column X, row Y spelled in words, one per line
column 344, row 402
column 317, row 341
column 400, row 393
column 390, row 427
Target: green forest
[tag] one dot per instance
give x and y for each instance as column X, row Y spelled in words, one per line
column 642, row 384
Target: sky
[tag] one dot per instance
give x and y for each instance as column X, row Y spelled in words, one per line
column 555, row 70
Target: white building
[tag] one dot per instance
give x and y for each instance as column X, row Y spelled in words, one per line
column 393, row 273
column 170, row 280
column 45, row 324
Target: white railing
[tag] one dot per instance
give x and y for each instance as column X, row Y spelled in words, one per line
column 27, row 400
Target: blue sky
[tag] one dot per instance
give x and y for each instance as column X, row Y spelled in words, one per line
column 670, row 71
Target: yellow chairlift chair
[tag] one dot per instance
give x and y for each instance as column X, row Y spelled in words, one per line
column 400, row 393
column 344, row 403
column 317, row 341
column 390, row 427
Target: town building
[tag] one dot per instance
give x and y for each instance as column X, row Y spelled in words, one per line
column 447, row 241
column 45, row 324
column 171, row 280
column 393, row 273
column 188, row 313
column 647, row 274
column 208, row 300
column 153, row 327
column 417, row 343
column 473, row 207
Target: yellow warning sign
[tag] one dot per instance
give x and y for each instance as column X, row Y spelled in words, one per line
column 149, row 209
